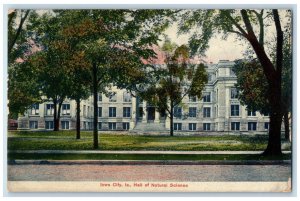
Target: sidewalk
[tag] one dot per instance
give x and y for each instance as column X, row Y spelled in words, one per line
column 134, row 152
column 148, row 162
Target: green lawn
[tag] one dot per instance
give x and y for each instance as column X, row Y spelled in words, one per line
column 65, row 140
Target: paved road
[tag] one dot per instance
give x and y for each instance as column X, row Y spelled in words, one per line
column 184, row 173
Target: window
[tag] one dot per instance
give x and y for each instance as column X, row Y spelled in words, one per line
column 49, row 109
column 192, row 126
column 125, row 126
column 206, row 112
column 33, row 124
column 126, row 111
column 235, row 110
column 66, row 109
column 112, row 126
column 99, row 125
column 65, row 125
column 252, row 126
column 112, row 112
column 192, row 112
column 35, row 109
column 177, row 112
column 49, row 125
column 113, row 98
column 100, row 97
column 192, row 98
column 126, row 97
column 267, row 125
column 99, row 111
column 234, row 93
column 177, row 126
column 206, row 126
column 88, row 111
column 206, row 97
column 90, row 125
column 251, row 113
column 235, row 126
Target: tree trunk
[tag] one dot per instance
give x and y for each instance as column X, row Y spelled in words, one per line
column 274, row 142
column 95, row 92
column 171, row 119
column 78, row 119
column 286, row 126
column 57, row 115
column 55, row 121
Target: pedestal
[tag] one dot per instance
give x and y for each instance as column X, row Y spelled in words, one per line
column 145, row 113
column 133, row 113
column 156, row 120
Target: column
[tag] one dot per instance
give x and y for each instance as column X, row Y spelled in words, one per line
column 133, row 113
column 156, row 119
column 167, row 122
column 145, row 113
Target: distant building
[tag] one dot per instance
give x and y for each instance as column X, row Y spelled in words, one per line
column 219, row 110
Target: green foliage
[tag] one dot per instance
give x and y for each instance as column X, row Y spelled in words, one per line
column 178, row 79
column 200, row 24
column 23, row 90
column 252, row 85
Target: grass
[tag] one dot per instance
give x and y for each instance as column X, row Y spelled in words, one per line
column 193, row 157
column 65, row 140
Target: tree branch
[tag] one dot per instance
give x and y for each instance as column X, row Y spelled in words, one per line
column 261, row 25
column 248, row 24
column 236, row 32
column 279, row 48
column 12, row 43
column 267, row 65
column 242, row 31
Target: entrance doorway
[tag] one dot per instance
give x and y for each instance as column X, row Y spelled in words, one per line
column 151, row 114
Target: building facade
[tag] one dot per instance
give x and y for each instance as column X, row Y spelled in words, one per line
column 219, row 110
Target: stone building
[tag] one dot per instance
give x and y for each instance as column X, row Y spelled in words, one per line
column 219, row 110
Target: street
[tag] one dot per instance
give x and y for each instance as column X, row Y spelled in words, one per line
column 180, row 173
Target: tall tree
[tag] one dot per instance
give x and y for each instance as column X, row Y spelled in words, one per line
column 179, row 79
column 79, row 87
column 243, row 23
column 75, row 60
column 113, row 43
column 50, row 63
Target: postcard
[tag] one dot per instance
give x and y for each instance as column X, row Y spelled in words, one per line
column 149, row 100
